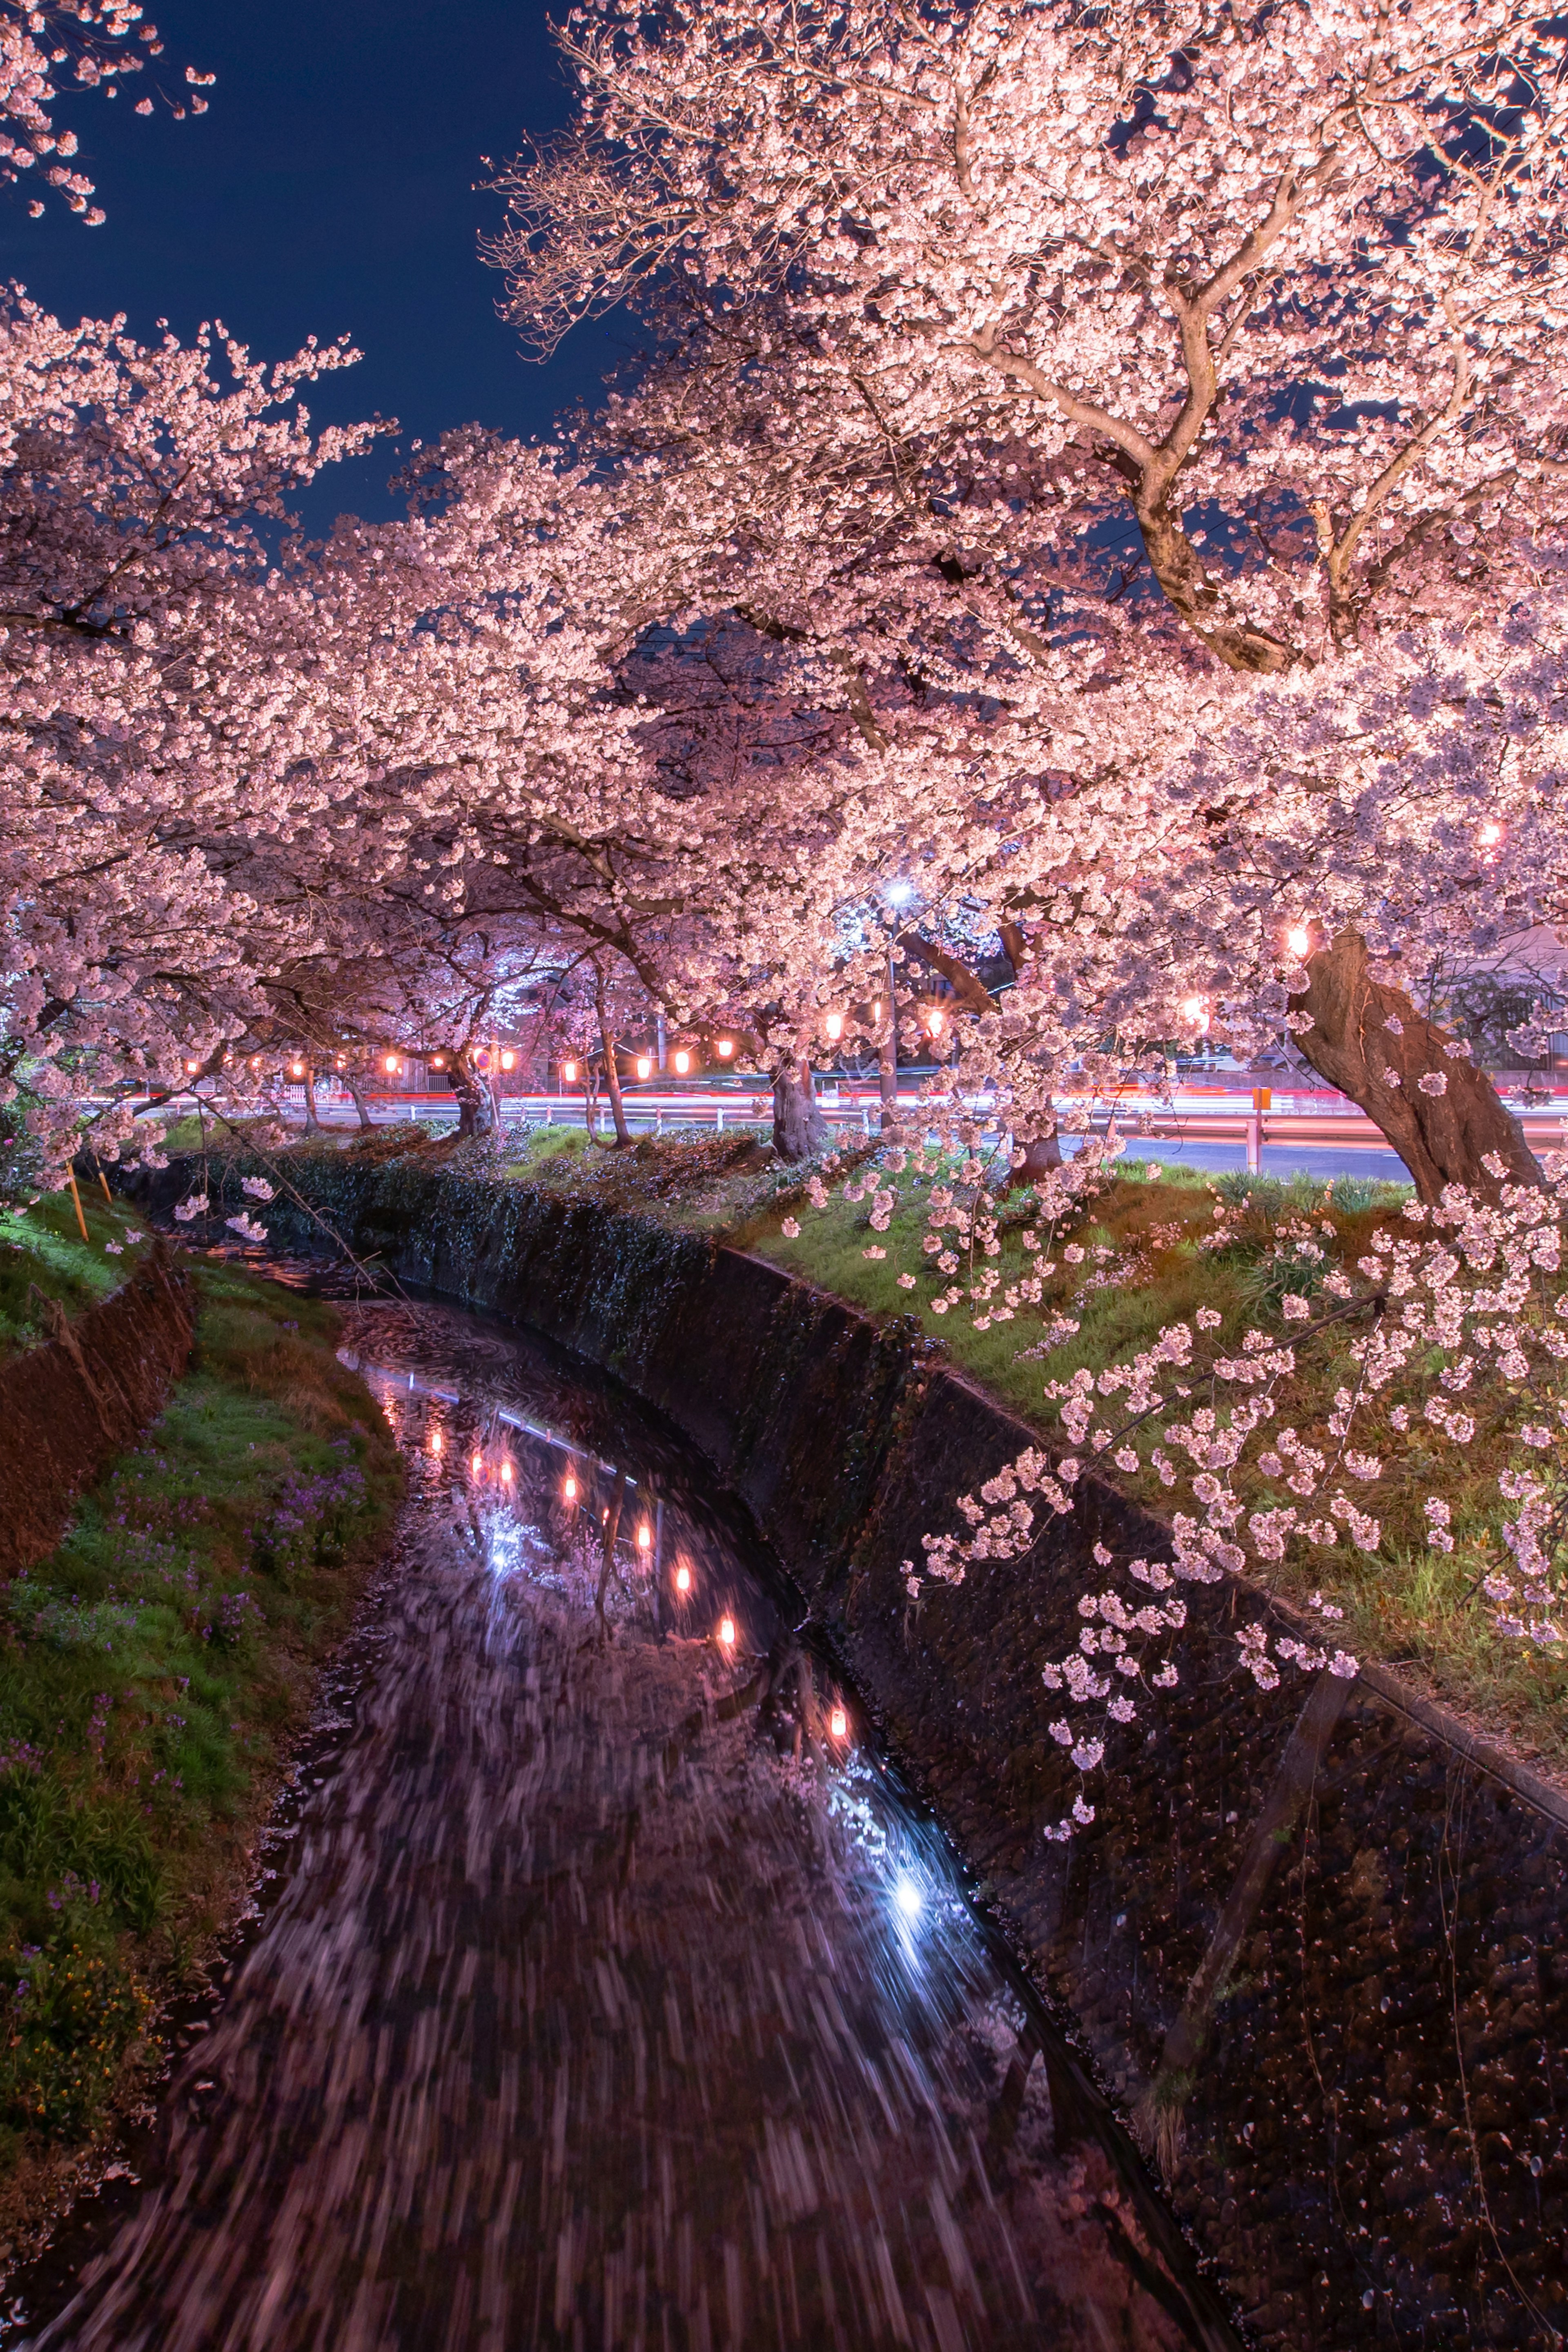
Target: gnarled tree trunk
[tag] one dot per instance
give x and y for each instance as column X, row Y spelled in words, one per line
column 1041, row 1153
column 476, row 1104
column 800, row 1131
column 356, row 1085
column 1443, row 1136
column 312, row 1120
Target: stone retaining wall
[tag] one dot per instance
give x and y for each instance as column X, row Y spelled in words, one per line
column 1314, row 1940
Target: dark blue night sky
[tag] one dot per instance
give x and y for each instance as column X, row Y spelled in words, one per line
column 332, row 188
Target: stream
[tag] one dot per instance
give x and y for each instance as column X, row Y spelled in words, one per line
column 603, row 1989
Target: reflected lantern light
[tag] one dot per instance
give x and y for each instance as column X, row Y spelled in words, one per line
column 683, row 1579
column 476, row 1464
column 506, row 1474
column 838, row 1724
column 645, row 1536
column 569, row 1487
column 727, row 1632
column 435, row 1441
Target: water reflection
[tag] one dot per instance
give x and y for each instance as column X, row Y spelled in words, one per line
column 613, row 1998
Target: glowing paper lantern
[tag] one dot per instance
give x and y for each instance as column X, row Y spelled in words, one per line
column 392, row 1063
column 1299, row 939
column 299, row 1070
column 934, row 1020
column 507, row 1059
column 727, row 1632
column 726, row 1047
column 682, row 1063
column 569, row 1073
column 683, row 1579
column 834, row 1024
column 645, row 1065
column 645, row 1536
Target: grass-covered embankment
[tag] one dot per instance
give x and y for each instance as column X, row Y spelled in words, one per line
column 155, row 1669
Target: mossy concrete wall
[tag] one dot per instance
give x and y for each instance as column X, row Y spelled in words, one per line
column 1372, row 2142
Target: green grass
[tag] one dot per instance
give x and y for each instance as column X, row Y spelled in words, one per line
column 152, row 1672
column 43, row 1257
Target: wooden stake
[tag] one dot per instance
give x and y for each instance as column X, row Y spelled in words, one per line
column 107, row 1193
column 76, row 1196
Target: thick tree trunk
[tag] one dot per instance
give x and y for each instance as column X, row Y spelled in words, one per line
column 476, row 1104
column 800, row 1131
column 1442, row 1136
column 312, row 1123
column 357, row 1089
column 1041, row 1153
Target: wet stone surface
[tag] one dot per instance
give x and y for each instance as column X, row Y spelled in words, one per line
column 603, row 1995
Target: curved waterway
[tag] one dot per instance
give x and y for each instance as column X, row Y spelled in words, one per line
column 603, row 1990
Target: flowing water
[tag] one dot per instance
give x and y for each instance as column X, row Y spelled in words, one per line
column 607, row 1993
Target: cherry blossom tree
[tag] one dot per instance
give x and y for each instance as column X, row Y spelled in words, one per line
column 38, row 40
column 1168, row 350
column 156, row 663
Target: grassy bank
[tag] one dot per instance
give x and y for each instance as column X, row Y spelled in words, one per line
column 155, row 1669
